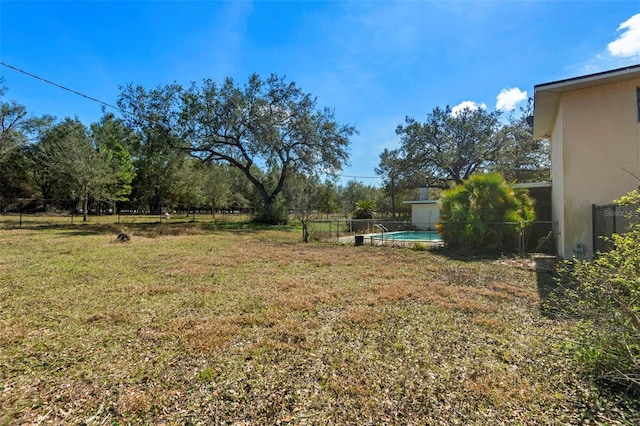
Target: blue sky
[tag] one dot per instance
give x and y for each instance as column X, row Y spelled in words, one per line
column 374, row 62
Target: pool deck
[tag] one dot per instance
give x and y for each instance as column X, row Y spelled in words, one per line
column 370, row 240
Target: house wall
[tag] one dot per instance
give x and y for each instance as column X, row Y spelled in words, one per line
column 424, row 216
column 557, row 180
column 595, row 156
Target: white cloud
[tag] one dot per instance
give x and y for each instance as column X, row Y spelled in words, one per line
column 509, row 98
column 467, row 105
column 628, row 44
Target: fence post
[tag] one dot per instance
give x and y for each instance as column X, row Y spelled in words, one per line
column 521, row 242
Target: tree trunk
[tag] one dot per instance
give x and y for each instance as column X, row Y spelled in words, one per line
column 85, row 208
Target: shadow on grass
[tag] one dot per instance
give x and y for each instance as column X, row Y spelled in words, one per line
column 80, row 229
column 151, row 229
column 545, row 267
column 547, row 284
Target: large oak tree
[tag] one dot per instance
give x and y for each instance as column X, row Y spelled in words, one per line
column 265, row 127
column 449, row 147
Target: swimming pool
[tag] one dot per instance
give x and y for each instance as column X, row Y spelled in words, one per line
column 410, row 236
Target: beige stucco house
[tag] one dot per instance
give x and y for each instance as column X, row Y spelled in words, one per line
column 593, row 123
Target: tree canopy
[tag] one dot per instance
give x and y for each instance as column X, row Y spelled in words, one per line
column 114, row 141
column 17, row 128
column 261, row 145
column 449, row 147
column 79, row 164
column 266, row 127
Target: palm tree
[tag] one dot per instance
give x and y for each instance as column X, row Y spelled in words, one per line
column 475, row 213
column 365, row 209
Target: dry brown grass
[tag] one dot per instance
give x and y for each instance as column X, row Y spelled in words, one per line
column 255, row 327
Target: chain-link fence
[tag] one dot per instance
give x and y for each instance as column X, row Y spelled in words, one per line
column 535, row 237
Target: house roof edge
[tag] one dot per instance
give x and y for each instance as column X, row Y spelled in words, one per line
column 547, row 95
column 618, row 73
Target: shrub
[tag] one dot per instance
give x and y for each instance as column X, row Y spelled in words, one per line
column 273, row 214
column 418, row 246
column 603, row 295
column 474, row 214
column 365, row 209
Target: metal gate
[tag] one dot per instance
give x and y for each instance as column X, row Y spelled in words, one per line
column 611, row 219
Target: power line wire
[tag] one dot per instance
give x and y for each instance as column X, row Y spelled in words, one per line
column 361, row 177
column 62, row 87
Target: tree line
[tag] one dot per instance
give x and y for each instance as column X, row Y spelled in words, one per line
column 264, row 145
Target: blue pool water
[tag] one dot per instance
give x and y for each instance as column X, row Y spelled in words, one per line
column 409, row 236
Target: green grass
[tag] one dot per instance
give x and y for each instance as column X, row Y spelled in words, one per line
column 202, row 325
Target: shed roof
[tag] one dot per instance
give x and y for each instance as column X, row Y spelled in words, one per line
column 547, row 95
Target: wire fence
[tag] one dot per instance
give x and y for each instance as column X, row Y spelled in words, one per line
column 536, row 237
column 38, row 213
column 612, row 219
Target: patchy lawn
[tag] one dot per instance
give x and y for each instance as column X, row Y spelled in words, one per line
column 255, row 327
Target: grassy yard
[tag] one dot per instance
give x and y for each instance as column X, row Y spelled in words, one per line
column 212, row 326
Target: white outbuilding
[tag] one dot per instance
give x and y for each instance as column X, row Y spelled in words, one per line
column 425, row 213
